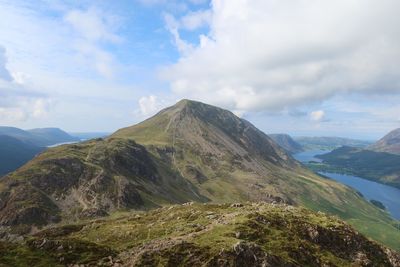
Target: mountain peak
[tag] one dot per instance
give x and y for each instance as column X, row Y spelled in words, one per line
column 194, row 126
column 163, row 126
column 184, row 102
column 192, row 105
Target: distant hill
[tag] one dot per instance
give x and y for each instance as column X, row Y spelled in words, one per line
column 38, row 137
column 389, row 143
column 15, row 153
column 286, row 142
column 51, row 136
column 378, row 166
column 329, row 143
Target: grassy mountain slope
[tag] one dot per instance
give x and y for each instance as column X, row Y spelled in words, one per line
column 14, row 153
column 389, row 143
column 188, row 152
column 378, row 166
column 287, row 143
column 255, row 234
column 329, row 143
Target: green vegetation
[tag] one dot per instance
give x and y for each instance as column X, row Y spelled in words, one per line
column 378, row 204
column 256, row 234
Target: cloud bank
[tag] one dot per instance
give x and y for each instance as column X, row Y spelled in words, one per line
column 16, row 102
column 272, row 55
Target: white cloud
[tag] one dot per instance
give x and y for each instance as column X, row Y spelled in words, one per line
column 173, row 26
column 21, row 106
column 17, row 103
column 40, row 107
column 317, row 115
column 272, row 55
column 93, row 24
column 148, row 105
column 93, row 28
column 195, row 20
column 12, row 115
column 191, row 21
column 4, row 73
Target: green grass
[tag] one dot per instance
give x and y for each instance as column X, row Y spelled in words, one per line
column 24, row 256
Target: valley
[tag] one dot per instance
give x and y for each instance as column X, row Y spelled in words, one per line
column 189, row 152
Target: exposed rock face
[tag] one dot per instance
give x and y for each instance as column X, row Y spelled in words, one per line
column 389, row 143
column 84, row 181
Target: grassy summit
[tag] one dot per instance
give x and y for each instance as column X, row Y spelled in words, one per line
column 257, row 234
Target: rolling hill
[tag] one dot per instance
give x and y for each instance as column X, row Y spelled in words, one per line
column 389, row 143
column 38, row 137
column 188, row 152
column 287, row 143
column 52, row 136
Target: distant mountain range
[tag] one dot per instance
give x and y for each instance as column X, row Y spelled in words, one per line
column 329, row 143
column 40, row 137
column 188, row 152
column 389, row 143
column 19, row 146
column 286, row 142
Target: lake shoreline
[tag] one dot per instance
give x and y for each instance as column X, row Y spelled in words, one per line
column 370, row 189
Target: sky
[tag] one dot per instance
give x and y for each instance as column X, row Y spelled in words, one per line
column 304, row 67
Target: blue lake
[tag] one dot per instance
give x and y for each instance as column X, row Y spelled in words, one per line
column 307, row 156
column 388, row 195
